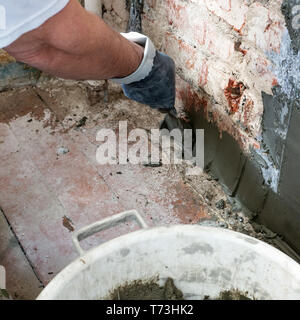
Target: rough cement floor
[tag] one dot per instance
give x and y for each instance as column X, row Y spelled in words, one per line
column 51, row 184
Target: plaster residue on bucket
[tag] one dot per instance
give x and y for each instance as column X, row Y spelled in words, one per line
column 147, row 290
column 151, row 290
column 199, row 247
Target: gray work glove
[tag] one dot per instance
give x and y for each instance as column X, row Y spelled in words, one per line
column 153, row 83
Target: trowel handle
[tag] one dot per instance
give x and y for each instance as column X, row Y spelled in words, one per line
column 105, row 224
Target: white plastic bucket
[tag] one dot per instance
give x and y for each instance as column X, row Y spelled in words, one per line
column 203, row 261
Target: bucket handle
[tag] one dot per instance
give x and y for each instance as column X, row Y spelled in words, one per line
column 105, row 224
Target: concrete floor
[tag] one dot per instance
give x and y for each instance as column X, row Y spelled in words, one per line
column 46, row 194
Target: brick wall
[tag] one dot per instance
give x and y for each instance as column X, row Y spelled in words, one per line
column 220, row 48
column 238, row 75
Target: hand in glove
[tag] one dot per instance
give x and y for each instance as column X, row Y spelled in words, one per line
column 153, row 83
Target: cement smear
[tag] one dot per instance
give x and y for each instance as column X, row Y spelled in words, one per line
column 140, row 290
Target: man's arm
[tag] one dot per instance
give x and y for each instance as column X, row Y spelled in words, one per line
column 76, row 44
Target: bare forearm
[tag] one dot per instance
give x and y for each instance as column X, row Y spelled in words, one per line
column 76, row 44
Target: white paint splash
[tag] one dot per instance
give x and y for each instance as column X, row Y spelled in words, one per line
column 269, row 171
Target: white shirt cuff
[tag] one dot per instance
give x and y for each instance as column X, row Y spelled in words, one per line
column 147, row 63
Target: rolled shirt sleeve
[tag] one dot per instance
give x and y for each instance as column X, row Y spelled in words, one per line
column 20, row 16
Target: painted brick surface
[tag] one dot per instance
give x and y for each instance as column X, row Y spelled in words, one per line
column 221, row 50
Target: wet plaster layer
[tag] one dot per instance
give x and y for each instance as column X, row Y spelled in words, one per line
column 242, row 178
column 281, row 133
column 287, row 199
